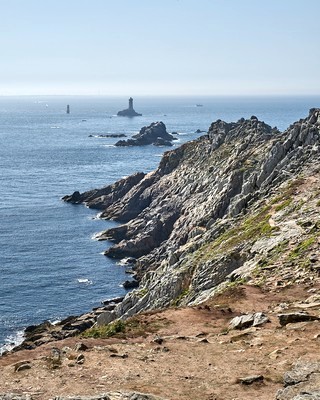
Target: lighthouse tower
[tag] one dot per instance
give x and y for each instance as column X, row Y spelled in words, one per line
column 129, row 112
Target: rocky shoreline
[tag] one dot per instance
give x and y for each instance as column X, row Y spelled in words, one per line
column 46, row 332
column 239, row 205
column 199, row 192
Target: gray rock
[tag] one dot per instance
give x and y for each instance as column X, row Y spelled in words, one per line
column 80, row 347
column 249, row 380
column 302, row 382
column 293, row 317
column 156, row 134
column 247, row 320
column 23, row 367
column 106, row 317
column 183, row 221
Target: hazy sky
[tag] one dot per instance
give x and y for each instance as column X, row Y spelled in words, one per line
column 132, row 47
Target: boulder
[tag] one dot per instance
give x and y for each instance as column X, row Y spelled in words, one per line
column 247, row 320
column 293, row 317
column 106, row 317
column 130, row 284
column 156, row 134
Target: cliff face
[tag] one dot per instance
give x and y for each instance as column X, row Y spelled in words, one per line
column 227, row 206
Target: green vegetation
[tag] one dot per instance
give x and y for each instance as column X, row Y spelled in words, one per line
column 132, row 327
column 251, row 228
column 288, row 191
column 301, row 249
column 142, row 292
column 182, row 295
column 283, row 205
column 105, row 331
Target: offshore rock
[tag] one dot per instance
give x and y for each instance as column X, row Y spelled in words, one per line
column 205, row 215
column 156, row 134
column 129, row 112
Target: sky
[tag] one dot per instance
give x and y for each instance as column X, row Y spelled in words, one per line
column 160, row 47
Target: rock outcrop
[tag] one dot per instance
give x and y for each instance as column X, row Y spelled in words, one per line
column 129, row 112
column 155, row 134
column 301, row 383
column 213, row 211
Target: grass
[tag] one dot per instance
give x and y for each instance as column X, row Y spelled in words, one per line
column 182, row 295
column 251, row 228
column 301, row 248
column 105, row 331
column 132, row 327
column 283, row 205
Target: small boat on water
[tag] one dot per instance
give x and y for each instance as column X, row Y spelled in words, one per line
column 199, row 105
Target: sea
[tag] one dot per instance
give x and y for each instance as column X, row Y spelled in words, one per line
column 51, row 266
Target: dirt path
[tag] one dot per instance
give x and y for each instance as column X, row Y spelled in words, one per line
column 192, row 355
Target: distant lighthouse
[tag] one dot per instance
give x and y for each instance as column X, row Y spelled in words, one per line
column 68, row 109
column 129, row 112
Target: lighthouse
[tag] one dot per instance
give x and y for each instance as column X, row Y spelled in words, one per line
column 129, row 112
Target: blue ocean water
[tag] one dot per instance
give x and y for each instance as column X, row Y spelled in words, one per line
column 50, row 266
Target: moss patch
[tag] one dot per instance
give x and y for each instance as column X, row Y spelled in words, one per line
column 105, row 331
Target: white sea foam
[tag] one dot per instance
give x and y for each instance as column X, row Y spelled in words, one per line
column 96, row 236
column 11, row 341
column 54, row 127
column 85, row 281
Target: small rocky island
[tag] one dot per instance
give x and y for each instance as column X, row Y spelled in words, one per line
column 155, row 134
column 129, row 112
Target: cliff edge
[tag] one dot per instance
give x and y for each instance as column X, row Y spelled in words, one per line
column 211, row 212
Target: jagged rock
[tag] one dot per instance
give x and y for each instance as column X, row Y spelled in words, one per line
column 80, row 359
column 80, row 347
column 156, row 134
column 204, row 212
column 293, row 317
column 130, row 284
column 161, row 142
column 249, row 380
column 302, row 382
column 106, row 317
column 247, row 320
column 102, row 198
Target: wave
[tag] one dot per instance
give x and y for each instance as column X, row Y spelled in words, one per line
column 12, row 341
column 85, row 281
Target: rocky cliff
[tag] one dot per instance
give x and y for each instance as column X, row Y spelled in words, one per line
column 222, row 208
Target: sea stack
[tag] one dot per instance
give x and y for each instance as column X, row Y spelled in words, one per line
column 129, row 112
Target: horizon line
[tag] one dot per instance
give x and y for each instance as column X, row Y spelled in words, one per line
column 165, row 95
